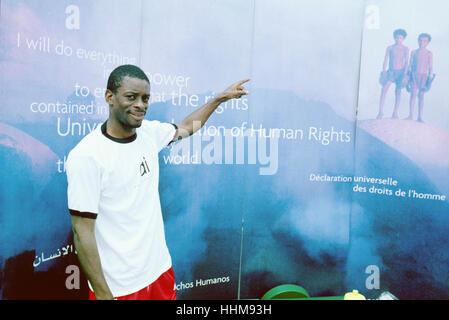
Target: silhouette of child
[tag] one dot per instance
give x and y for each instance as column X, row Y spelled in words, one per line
column 396, row 57
column 421, row 74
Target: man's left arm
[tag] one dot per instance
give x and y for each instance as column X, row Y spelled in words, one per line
column 198, row 118
column 406, row 61
column 430, row 63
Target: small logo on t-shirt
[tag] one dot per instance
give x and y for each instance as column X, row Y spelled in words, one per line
column 144, row 169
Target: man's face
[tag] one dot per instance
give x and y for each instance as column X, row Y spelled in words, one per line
column 423, row 42
column 130, row 102
column 399, row 39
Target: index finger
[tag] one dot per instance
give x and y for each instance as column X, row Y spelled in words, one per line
column 243, row 81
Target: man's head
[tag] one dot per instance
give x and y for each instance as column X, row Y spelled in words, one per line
column 399, row 35
column 128, row 94
column 424, row 39
column 127, row 70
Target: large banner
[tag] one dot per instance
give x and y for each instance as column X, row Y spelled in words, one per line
column 316, row 178
column 305, row 70
column 55, row 60
column 401, row 181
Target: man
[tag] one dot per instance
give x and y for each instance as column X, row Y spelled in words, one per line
column 396, row 57
column 113, row 198
column 421, row 74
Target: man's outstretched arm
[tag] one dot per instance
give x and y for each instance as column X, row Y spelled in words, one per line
column 198, row 118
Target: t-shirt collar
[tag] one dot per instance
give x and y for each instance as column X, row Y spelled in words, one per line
column 119, row 140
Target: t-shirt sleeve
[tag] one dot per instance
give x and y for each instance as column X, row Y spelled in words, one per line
column 84, row 184
column 164, row 133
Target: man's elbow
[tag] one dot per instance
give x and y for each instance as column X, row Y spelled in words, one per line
column 82, row 227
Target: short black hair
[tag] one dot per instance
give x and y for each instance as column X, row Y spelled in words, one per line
column 425, row 35
column 400, row 32
column 126, row 70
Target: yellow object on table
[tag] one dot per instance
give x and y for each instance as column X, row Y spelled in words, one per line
column 354, row 295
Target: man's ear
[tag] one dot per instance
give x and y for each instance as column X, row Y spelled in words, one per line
column 109, row 97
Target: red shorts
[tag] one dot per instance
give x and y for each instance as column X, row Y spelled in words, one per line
column 161, row 289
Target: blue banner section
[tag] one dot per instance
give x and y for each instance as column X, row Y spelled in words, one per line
column 399, row 225
column 332, row 173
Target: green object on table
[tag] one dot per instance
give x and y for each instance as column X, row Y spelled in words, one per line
column 324, row 298
column 286, row 291
column 293, row 292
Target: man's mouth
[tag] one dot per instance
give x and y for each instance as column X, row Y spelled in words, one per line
column 137, row 115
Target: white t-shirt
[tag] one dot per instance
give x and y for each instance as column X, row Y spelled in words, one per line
column 116, row 181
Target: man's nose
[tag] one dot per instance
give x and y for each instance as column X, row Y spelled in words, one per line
column 140, row 104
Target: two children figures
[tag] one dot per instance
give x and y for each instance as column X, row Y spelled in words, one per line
column 415, row 73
